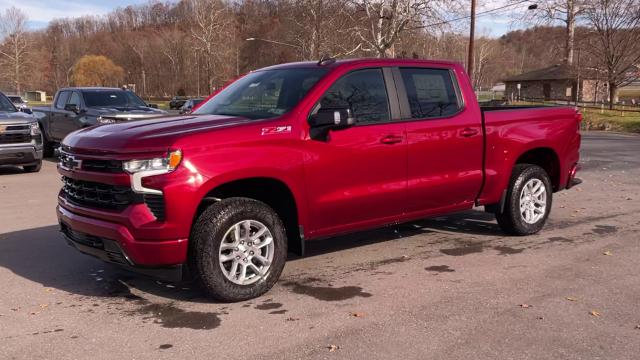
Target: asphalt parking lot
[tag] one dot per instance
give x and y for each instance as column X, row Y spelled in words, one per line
column 453, row 287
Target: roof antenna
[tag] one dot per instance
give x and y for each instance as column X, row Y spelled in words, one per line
column 326, row 59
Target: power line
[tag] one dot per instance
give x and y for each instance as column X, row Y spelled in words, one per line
column 482, row 13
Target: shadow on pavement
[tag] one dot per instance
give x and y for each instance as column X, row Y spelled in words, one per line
column 42, row 255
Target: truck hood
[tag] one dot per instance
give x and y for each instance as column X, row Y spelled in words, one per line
column 15, row 117
column 151, row 135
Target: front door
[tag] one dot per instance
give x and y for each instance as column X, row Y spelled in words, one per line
column 357, row 176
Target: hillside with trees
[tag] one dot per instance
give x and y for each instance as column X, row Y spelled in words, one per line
column 194, row 46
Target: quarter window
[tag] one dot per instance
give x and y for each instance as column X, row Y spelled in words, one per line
column 362, row 91
column 431, row 92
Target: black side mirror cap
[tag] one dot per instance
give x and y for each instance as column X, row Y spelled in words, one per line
column 327, row 119
column 153, row 106
column 72, row 107
column 25, row 110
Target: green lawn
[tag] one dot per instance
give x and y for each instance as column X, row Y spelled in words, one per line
column 611, row 120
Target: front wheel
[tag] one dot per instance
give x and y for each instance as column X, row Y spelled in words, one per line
column 33, row 167
column 238, row 250
column 528, row 201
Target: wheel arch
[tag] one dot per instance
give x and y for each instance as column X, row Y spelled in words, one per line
column 269, row 190
column 545, row 157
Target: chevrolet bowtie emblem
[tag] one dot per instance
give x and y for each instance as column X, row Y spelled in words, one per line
column 68, row 162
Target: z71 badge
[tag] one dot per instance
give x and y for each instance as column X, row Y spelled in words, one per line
column 276, row 130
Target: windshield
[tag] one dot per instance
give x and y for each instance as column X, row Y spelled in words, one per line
column 6, row 105
column 111, row 98
column 263, row 94
column 15, row 99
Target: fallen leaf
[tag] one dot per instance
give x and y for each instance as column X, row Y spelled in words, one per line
column 540, row 318
column 608, row 253
column 357, row 314
column 525, row 306
column 292, row 319
column 637, row 327
column 43, row 306
column 595, row 313
column 34, row 312
column 48, row 289
column 572, row 299
column 333, row 348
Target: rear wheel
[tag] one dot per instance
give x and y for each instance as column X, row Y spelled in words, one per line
column 239, row 248
column 528, row 201
column 33, row 167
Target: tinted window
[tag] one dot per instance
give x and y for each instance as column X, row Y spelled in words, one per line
column 62, row 99
column 431, row 92
column 5, row 104
column 263, row 94
column 362, row 91
column 74, row 99
column 111, row 98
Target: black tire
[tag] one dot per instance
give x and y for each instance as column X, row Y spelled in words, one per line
column 511, row 220
column 207, row 236
column 33, row 167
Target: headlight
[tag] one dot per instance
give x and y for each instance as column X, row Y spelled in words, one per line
column 103, row 121
column 35, row 129
column 159, row 165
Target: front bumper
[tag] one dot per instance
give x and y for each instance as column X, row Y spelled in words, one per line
column 114, row 243
column 20, row 154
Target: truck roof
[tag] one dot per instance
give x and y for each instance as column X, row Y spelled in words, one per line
column 89, row 88
column 362, row 61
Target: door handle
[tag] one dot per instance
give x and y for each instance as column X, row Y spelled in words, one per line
column 468, row 132
column 391, row 139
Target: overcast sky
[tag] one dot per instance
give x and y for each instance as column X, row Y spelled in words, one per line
column 40, row 12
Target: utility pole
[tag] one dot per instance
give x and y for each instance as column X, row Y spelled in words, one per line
column 472, row 31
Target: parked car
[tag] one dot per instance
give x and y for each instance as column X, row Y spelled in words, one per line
column 177, row 102
column 303, row 151
column 18, row 101
column 20, row 137
column 189, row 105
column 77, row 108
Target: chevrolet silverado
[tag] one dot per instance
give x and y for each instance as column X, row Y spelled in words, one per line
column 303, row 151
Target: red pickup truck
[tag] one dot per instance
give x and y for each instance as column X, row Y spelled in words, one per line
column 302, row 151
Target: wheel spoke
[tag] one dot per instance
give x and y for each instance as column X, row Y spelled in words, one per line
column 263, row 260
column 236, row 233
column 243, row 273
column 247, row 229
column 265, row 242
column 259, row 233
column 233, row 270
column 226, row 257
column 227, row 246
column 255, row 269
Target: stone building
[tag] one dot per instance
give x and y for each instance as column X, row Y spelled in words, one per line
column 557, row 82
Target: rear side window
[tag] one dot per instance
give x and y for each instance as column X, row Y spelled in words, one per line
column 362, row 91
column 62, row 99
column 431, row 92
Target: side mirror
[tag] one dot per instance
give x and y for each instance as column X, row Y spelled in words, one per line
column 25, row 110
column 327, row 119
column 72, row 107
column 153, row 106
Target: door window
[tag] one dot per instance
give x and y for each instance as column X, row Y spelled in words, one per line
column 74, row 99
column 362, row 91
column 62, row 99
column 431, row 92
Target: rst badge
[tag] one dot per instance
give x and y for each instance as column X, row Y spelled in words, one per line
column 276, row 130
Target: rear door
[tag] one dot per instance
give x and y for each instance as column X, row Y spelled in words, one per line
column 357, row 177
column 445, row 141
column 59, row 115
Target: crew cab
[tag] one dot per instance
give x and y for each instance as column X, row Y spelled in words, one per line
column 77, row 108
column 20, row 137
column 303, row 151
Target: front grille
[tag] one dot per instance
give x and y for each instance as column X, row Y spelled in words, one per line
column 155, row 203
column 14, row 138
column 97, row 195
column 109, row 166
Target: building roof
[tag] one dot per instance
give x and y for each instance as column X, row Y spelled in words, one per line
column 555, row 72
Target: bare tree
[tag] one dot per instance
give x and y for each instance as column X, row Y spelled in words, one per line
column 565, row 12
column 615, row 41
column 379, row 23
column 211, row 30
column 14, row 45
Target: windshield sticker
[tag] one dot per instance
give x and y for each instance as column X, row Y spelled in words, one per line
column 276, row 130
